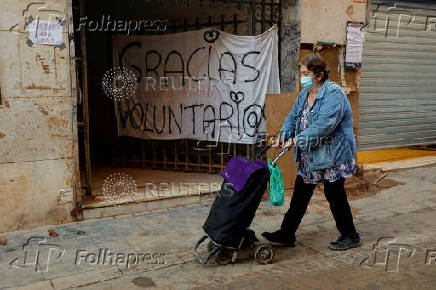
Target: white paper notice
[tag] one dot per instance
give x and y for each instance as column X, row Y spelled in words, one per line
column 45, row 32
column 354, row 45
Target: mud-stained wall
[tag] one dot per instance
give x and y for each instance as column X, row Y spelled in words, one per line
column 36, row 121
column 277, row 108
column 325, row 21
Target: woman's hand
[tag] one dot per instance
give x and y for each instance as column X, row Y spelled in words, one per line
column 279, row 141
column 289, row 143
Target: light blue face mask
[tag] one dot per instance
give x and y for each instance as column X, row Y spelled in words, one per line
column 306, row 82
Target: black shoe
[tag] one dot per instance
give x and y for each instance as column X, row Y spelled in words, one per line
column 344, row 243
column 279, row 238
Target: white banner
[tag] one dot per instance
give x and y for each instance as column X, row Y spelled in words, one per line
column 203, row 85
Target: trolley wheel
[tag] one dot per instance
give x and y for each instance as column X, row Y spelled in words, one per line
column 264, row 254
column 223, row 257
column 211, row 246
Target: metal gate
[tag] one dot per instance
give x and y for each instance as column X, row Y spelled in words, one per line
column 398, row 82
column 252, row 17
column 241, row 17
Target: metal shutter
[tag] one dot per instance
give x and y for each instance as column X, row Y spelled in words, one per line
column 397, row 103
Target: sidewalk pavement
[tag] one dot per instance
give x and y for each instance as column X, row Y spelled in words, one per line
column 397, row 225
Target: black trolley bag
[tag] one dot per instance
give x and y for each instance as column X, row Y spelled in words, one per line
column 231, row 215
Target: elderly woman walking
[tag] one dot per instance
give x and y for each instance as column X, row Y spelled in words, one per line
column 320, row 126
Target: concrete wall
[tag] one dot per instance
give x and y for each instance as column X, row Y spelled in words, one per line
column 325, row 21
column 290, row 45
column 36, row 123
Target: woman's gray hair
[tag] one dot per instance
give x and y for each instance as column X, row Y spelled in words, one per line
column 316, row 64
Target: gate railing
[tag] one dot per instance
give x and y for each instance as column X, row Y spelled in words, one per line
column 253, row 17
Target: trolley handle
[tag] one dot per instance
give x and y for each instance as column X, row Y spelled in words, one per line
column 263, row 151
column 273, row 163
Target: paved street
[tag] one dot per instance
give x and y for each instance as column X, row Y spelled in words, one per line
column 401, row 221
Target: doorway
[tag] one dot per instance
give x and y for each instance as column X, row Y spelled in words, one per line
column 101, row 151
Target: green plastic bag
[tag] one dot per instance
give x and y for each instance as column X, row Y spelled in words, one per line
column 276, row 186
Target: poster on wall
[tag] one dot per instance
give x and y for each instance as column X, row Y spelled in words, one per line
column 354, row 45
column 45, row 32
column 204, row 85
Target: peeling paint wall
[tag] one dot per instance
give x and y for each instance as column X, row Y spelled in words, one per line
column 325, row 21
column 290, row 45
column 37, row 154
column 276, row 115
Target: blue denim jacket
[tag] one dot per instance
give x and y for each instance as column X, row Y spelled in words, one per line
column 329, row 137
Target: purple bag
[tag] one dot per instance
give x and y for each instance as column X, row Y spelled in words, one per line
column 239, row 169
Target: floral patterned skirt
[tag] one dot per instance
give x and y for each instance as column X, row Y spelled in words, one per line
column 345, row 170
